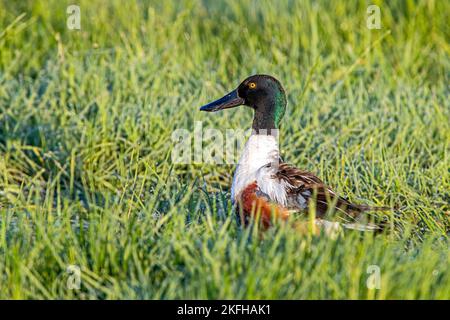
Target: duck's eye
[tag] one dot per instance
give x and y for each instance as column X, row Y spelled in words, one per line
column 252, row 85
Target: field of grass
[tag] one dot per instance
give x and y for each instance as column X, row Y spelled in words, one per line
column 86, row 119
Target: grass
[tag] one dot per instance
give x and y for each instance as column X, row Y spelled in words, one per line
column 86, row 119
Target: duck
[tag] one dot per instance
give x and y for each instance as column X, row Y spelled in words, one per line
column 266, row 187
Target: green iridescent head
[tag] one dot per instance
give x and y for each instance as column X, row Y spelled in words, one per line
column 263, row 93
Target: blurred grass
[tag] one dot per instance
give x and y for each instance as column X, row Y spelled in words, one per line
column 86, row 119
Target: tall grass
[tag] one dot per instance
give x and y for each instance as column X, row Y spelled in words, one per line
column 86, row 119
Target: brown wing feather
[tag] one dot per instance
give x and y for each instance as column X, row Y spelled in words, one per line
column 309, row 187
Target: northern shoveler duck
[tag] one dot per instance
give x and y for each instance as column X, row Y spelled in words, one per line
column 262, row 181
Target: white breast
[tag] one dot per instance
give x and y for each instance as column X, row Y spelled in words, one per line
column 259, row 151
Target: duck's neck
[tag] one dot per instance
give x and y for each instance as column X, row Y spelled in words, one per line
column 268, row 113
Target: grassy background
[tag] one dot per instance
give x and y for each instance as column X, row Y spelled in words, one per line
column 86, row 119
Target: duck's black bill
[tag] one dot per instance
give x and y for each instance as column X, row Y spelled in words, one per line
column 231, row 100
